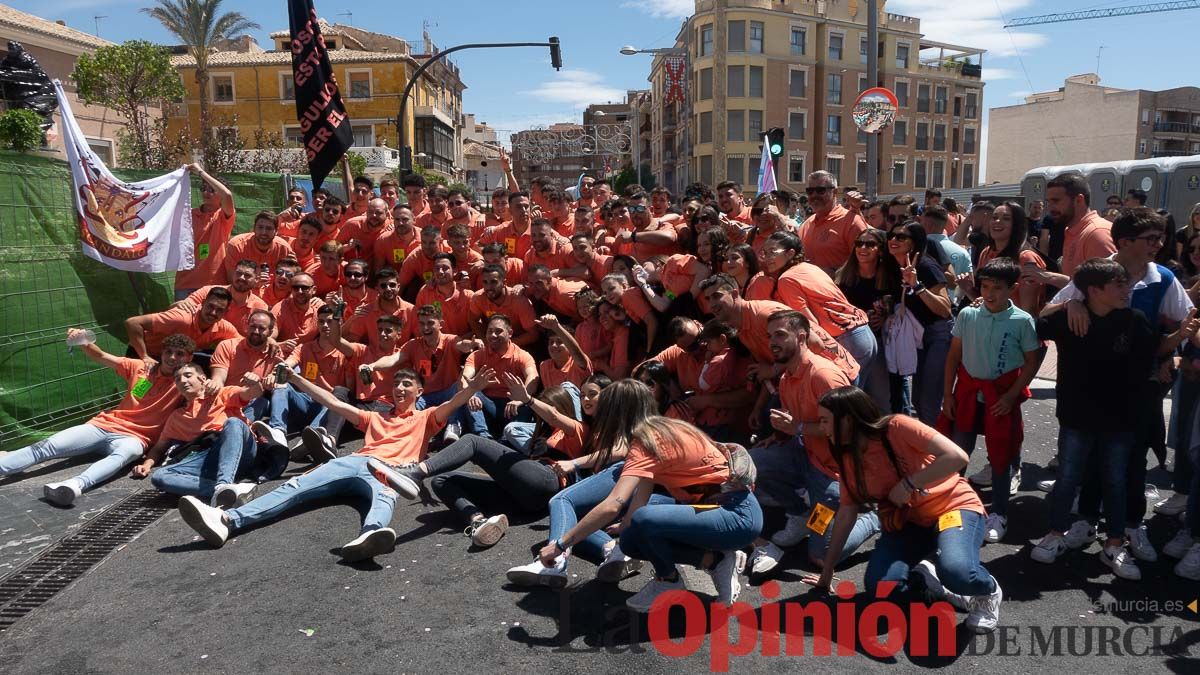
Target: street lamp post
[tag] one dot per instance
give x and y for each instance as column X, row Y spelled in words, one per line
column 872, row 81
column 630, row 50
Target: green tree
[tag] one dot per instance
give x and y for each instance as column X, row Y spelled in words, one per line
column 129, row 78
column 200, row 25
column 21, row 129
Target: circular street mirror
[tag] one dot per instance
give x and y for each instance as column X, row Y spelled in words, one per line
column 875, row 110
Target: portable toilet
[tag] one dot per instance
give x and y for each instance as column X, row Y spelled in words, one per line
column 1033, row 183
column 1148, row 175
column 1183, row 187
column 1104, row 179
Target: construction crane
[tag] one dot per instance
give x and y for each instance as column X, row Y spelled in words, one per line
column 1147, row 8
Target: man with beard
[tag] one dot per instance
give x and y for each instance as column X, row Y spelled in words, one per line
column 461, row 213
column 497, row 298
column 393, row 247
column 418, row 267
column 360, row 233
column 829, row 233
column 212, row 223
column 515, row 233
column 414, row 191
column 437, row 197
column 332, row 213
column 588, row 265
column 1086, row 234
column 205, row 326
column 304, row 245
column 442, row 291
column 241, row 289
column 327, row 274
column 387, row 303
column 260, row 246
column 256, row 353
column 278, row 287
column 296, row 317
column 490, row 409
column 546, row 248
column 730, row 202
column 121, row 434
column 320, row 362
column 499, row 213
column 355, row 291
column 648, row 237
column 552, row 296
column 289, row 218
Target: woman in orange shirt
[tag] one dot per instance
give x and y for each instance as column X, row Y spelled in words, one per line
column 910, row 472
column 1009, row 232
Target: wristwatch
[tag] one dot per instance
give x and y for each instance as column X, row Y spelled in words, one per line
column 633, row 237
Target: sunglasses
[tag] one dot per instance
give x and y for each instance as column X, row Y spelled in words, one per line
column 355, row 275
column 868, row 243
column 637, row 208
column 898, row 236
column 817, row 190
column 285, row 274
column 893, row 218
column 302, row 288
column 1152, row 238
column 456, row 203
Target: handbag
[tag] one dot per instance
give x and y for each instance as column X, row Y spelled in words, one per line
column 902, row 338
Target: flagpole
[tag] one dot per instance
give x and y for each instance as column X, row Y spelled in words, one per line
column 872, row 81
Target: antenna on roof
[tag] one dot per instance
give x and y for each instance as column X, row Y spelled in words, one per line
column 97, row 20
column 349, row 14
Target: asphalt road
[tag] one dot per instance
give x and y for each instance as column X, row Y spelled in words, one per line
column 276, row 600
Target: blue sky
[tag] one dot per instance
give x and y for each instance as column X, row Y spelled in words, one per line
column 514, row 89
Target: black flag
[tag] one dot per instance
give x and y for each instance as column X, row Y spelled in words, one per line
column 319, row 106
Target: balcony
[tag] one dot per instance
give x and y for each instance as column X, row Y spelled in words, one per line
column 435, row 112
column 1175, row 127
column 974, row 70
column 378, row 157
column 1170, row 153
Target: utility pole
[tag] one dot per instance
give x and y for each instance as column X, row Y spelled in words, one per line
column 872, row 81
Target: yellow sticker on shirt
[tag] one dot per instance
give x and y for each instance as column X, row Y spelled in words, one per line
column 398, row 255
column 202, row 252
column 311, row 370
column 427, row 275
column 820, row 518
column 511, row 245
column 949, row 519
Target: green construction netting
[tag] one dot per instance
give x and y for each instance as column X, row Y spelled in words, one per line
column 47, row 285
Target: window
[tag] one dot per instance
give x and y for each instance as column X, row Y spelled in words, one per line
column 799, row 38
column 364, row 135
column 922, row 98
column 706, row 127
column 862, row 83
column 706, row 85
column 835, row 47
column 862, row 51
column 968, row 141
column 958, row 102
column 861, row 137
column 939, row 137
column 103, row 149
column 1145, row 116
column 735, row 168
column 735, row 81
column 756, row 37
column 796, row 170
column 706, row 169
column 834, row 93
column 293, row 136
column 898, row 172
column 902, row 94
column 968, row 176
column 939, row 100
column 735, row 129
column 737, row 36
column 1142, row 146
column 798, row 83
column 360, row 83
column 938, row 179
column 797, row 121
column 860, row 171
column 287, row 88
column 226, row 135
column 833, row 129
column 756, row 123
column 834, row 166
column 972, row 105
column 900, row 132
column 902, row 56
column 922, row 135
column 1196, row 148
column 919, row 176
column 706, row 48
column 953, row 139
column 222, row 88
column 756, row 82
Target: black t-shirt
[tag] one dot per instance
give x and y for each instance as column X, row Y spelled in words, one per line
column 863, row 294
column 1100, row 374
column 1058, row 235
column 930, row 273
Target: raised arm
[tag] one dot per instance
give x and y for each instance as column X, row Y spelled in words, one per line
column 323, row 397
column 474, row 384
column 94, row 352
column 550, row 323
column 135, row 330
column 223, row 192
column 519, row 393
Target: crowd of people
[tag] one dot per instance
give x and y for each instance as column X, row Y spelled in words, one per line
column 653, row 370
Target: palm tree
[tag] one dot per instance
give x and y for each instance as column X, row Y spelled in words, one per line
column 200, row 25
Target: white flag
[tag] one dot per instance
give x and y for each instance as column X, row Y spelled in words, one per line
column 136, row 227
column 766, row 170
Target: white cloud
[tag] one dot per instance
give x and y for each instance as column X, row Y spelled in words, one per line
column 993, row 74
column 664, row 9
column 1019, row 94
column 973, row 24
column 576, row 88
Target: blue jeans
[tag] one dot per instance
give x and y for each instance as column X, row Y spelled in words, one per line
column 931, row 362
column 1000, row 481
column 231, row 454
column 783, row 469
column 1075, row 446
column 1185, row 399
column 901, row 394
column 182, row 293
column 955, row 553
column 347, row 475
column 84, row 439
column 575, row 501
column 489, row 421
column 517, row 434
column 666, row 534
column 862, row 345
column 292, row 409
column 875, row 381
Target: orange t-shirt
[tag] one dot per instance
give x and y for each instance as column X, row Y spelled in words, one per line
column 455, row 307
column 517, row 244
column 909, row 439
column 514, row 360
column 440, row 366
column 382, row 381
column 805, row 285
column 210, row 232
column 367, row 236
column 430, row 218
column 325, row 283
column 551, row 375
column 398, row 438
column 799, row 392
column 643, row 251
column 599, row 267
column 516, row 307
column 591, row 336
column 177, row 320
column 1090, row 238
column 635, row 304
column 752, row 327
column 238, row 357
column 354, row 298
column 288, row 224
column 238, row 310
column 294, row 322
column 686, row 366
column 242, row 247
column 416, row 267
column 143, row 411
column 556, row 257
column 678, row 275
column 273, row 295
column 569, row 442
column 829, row 239
column 366, row 327
column 1024, row 257
column 688, row 471
column 393, row 247
column 325, row 368
column 561, row 298
column 204, row 414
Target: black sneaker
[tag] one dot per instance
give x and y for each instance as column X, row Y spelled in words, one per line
column 320, row 445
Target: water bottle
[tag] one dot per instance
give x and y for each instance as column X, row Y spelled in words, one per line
column 81, row 338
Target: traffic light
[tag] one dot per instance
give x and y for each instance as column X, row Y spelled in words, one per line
column 775, row 142
column 555, row 54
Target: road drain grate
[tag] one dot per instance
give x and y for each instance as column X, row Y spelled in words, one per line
column 34, row 583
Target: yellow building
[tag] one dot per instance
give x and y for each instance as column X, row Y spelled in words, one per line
column 255, row 86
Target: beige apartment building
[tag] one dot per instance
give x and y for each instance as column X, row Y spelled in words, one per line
column 800, row 65
column 1084, row 121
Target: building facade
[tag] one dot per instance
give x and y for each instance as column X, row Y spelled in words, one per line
column 602, row 146
column 251, row 89
column 481, row 159
column 1084, row 121
column 799, row 65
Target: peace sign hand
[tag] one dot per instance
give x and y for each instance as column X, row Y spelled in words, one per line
column 909, row 273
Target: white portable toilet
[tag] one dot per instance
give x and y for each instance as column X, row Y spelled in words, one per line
column 1183, row 187
column 1148, row 175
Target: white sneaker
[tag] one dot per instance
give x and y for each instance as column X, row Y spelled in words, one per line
column 398, row 480
column 62, row 494
column 1189, row 567
column 1049, row 548
column 985, row 610
column 1139, row 544
column 537, row 574
column 616, row 566
column 487, row 531
column 233, row 495
column 644, row 599
column 1179, row 544
column 452, row 433
column 1014, row 482
column 765, row 558
column 1081, row 534
column 1121, row 562
column 1045, row 485
column 793, row 532
column 996, row 526
column 369, row 544
column 983, row 477
column 207, row 521
column 1172, row 506
column 725, row 576
column 937, row 591
column 274, row 436
column 1151, row 493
